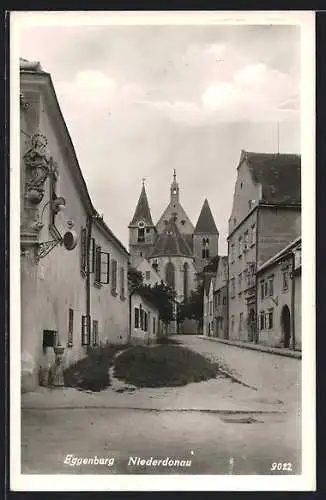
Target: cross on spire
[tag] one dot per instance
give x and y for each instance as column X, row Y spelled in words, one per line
column 174, row 175
column 143, row 180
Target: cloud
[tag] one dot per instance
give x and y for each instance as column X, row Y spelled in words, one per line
column 254, row 93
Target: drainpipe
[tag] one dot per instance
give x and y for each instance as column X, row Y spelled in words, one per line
column 88, row 276
column 292, row 301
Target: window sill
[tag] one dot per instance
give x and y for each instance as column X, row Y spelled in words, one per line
column 97, row 284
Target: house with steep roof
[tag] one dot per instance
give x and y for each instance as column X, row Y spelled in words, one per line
column 175, row 248
column 265, row 217
column 74, row 291
column 220, row 298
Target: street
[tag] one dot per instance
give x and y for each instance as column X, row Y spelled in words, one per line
column 221, row 426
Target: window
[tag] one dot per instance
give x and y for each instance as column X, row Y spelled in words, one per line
column 148, row 275
column 232, row 324
column 262, row 289
column 98, row 264
column 114, row 277
column 245, row 243
column 136, row 317
column 240, row 246
column 122, row 282
column 83, row 250
column 85, row 330
column 232, row 252
column 219, row 298
column 145, row 321
column 70, row 327
column 154, row 325
column 269, row 319
column 232, row 287
column 253, row 235
column 185, row 280
column 224, row 301
column 141, row 317
column 240, row 283
column 141, row 235
column 205, row 253
column 285, row 273
column 95, row 332
column 148, row 230
column 262, row 320
column 271, row 286
column 241, row 322
column 265, row 289
column 170, row 275
column 92, row 255
column 102, row 266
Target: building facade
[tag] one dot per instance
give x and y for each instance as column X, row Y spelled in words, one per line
column 208, row 309
column 265, row 217
column 279, row 298
column 144, row 320
column 64, row 281
column 221, row 298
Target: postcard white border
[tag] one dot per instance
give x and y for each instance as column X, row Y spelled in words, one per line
column 304, row 482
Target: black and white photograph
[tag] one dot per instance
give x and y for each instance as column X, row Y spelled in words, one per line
column 162, row 232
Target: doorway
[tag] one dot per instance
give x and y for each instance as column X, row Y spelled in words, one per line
column 252, row 325
column 286, row 326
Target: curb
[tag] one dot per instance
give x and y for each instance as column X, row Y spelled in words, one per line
column 255, row 347
column 160, row 410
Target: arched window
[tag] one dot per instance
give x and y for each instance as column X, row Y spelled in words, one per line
column 170, row 274
column 185, row 280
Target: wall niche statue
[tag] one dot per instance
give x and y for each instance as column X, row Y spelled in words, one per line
column 38, row 168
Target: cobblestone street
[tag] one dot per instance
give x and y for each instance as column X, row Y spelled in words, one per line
column 222, row 426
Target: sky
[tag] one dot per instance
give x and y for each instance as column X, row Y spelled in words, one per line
column 140, row 101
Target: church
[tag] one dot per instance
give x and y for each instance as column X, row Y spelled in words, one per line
column 173, row 248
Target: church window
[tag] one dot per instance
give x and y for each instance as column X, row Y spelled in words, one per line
column 141, row 235
column 170, row 274
column 147, row 230
column 183, row 222
column 185, row 280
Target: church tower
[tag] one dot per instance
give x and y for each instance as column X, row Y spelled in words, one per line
column 174, row 189
column 205, row 239
column 142, row 232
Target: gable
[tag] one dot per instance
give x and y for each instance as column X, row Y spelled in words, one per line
column 185, row 227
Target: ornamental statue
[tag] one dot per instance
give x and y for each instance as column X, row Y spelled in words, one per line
column 39, row 166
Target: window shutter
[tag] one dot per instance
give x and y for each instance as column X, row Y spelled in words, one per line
column 98, row 264
column 136, row 317
column 267, row 321
column 105, row 267
column 114, row 276
column 85, row 333
column 92, row 256
column 83, row 242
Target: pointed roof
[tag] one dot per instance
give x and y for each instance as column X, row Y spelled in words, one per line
column 279, row 175
column 206, row 223
column 171, row 242
column 142, row 211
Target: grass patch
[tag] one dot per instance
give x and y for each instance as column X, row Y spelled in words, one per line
column 165, row 340
column 163, row 366
column 91, row 372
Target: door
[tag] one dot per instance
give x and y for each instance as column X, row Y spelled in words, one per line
column 286, row 326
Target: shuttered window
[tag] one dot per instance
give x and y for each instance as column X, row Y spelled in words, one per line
column 114, row 277
column 136, row 317
column 102, row 266
column 70, row 327
column 95, row 332
column 92, row 256
column 85, row 330
column 122, row 282
column 83, row 250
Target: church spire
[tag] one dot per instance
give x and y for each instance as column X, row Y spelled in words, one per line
column 142, row 212
column 206, row 223
column 174, row 188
